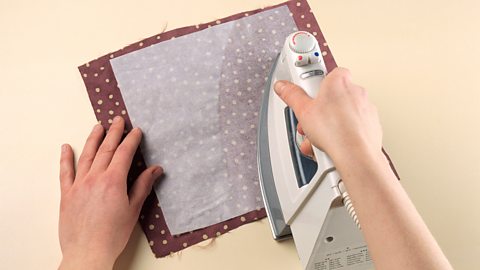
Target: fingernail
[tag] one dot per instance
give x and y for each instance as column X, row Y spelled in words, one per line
column 117, row 119
column 157, row 172
column 64, row 148
column 136, row 130
column 279, row 86
column 97, row 127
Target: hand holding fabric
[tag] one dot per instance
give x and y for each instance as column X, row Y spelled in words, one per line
column 97, row 213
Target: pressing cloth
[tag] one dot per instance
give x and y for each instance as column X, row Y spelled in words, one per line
column 197, row 98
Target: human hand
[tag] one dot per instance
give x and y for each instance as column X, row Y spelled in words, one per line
column 340, row 120
column 97, row 213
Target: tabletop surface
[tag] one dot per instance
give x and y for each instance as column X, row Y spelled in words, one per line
column 418, row 60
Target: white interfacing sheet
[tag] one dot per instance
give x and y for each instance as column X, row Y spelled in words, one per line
column 197, row 98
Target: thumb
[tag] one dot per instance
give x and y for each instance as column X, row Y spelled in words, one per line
column 293, row 95
column 143, row 185
column 67, row 169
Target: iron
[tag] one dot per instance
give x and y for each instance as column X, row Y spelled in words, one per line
column 304, row 198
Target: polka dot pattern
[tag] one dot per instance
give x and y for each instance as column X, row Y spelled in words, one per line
column 248, row 64
column 204, row 114
column 97, row 89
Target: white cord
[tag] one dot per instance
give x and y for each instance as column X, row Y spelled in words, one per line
column 347, row 202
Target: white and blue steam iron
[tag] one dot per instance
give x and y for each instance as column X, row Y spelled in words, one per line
column 304, row 198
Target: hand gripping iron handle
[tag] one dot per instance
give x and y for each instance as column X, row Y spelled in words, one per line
column 307, row 68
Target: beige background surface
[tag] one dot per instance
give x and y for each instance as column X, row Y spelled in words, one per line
column 418, row 59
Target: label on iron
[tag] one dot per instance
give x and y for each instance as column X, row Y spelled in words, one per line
column 348, row 258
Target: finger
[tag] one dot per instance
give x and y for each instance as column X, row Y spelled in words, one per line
column 293, row 95
column 306, row 148
column 300, row 129
column 67, row 170
column 89, row 150
column 339, row 76
column 143, row 186
column 109, row 145
column 122, row 159
column 341, row 72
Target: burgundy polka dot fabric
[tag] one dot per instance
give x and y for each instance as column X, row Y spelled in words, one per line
column 107, row 102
